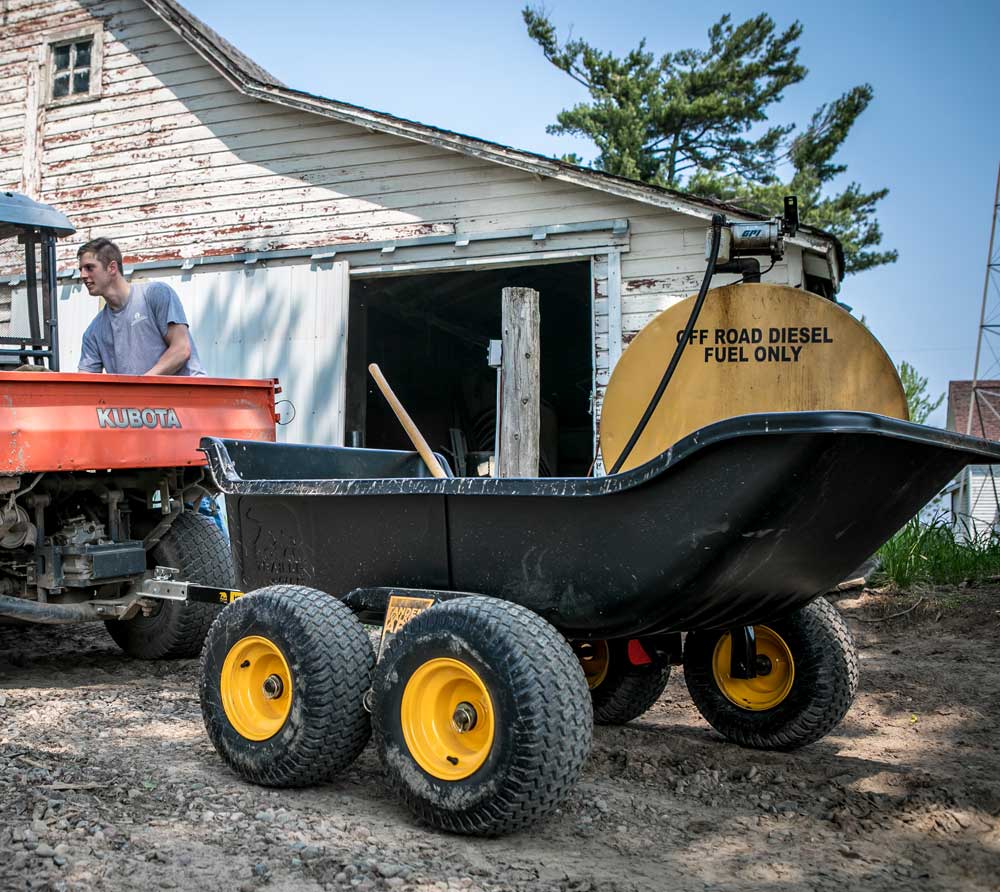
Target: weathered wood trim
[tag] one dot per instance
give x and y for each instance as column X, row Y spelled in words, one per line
column 614, row 307
column 34, row 126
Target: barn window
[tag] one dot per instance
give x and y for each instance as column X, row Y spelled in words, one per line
column 74, row 67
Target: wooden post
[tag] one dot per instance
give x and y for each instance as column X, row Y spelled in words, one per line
column 519, row 397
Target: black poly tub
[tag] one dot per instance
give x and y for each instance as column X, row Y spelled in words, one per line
column 739, row 522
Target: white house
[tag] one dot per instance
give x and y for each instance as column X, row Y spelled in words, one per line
column 308, row 236
column 974, row 496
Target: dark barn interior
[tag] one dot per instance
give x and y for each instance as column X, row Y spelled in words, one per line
column 430, row 335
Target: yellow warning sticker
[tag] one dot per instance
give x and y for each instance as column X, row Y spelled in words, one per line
column 401, row 610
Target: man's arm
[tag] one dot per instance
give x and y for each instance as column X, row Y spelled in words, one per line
column 178, row 351
column 90, row 354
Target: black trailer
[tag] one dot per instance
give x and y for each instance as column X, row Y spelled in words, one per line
column 517, row 612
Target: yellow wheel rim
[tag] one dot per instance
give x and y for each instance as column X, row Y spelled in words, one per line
column 447, row 718
column 256, row 687
column 771, row 686
column 593, row 656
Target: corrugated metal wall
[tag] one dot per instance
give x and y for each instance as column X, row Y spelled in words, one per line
column 276, row 321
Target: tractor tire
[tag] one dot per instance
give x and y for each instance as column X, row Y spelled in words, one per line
column 810, row 684
column 620, row 690
column 200, row 550
column 284, row 673
column 482, row 717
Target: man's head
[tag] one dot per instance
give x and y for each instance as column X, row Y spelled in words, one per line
column 101, row 267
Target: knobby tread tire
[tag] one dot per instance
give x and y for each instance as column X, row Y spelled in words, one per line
column 627, row 691
column 826, row 680
column 200, row 550
column 330, row 659
column 543, row 716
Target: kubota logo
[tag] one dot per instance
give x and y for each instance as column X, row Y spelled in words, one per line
column 137, row 418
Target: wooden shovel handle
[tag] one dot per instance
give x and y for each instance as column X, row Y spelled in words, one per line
column 433, row 465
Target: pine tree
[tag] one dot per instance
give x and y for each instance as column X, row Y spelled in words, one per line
column 692, row 119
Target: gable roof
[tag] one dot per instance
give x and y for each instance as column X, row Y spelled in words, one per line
column 253, row 81
column 985, row 409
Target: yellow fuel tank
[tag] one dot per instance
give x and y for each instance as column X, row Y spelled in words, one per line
column 755, row 348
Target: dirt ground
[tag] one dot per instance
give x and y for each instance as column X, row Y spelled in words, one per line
column 107, row 781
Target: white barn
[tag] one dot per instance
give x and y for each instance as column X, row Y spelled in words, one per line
column 308, row 237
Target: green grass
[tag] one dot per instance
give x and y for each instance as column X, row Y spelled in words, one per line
column 930, row 554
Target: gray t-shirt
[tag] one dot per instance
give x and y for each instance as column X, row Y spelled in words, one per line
column 130, row 341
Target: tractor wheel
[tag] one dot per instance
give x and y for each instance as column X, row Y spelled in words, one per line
column 809, row 679
column 620, row 689
column 482, row 717
column 284, row 674
column 200, row 550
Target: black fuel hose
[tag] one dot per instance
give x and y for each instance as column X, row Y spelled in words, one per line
column 717, row 223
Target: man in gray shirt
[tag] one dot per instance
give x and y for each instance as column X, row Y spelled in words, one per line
column 142, row 330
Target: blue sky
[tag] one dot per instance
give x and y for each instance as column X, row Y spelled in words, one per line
column 932, row 134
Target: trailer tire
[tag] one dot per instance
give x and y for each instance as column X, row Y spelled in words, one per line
column 810, row 687
column 312, row 723
column 200, row 550
column 514, row 682
column 620, row 690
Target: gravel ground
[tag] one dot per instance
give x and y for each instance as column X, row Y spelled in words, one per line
column 108, row 782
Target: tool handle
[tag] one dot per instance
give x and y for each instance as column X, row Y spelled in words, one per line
column 433, row 465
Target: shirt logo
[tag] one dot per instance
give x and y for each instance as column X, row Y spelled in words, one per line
column 119, row 418
column 138, row 317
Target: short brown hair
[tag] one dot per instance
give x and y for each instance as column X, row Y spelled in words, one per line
column 104, row 250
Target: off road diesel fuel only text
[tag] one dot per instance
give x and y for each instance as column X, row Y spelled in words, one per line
column 756, row 344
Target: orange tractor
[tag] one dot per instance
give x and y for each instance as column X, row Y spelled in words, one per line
column 101, row 477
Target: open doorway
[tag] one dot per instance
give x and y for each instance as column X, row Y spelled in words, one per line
column 430, row 333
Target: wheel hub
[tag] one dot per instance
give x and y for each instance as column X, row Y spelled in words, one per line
column 594, row 657
column 465, row 717
column 447, row 718
column 256, row 688
column 775, row 672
